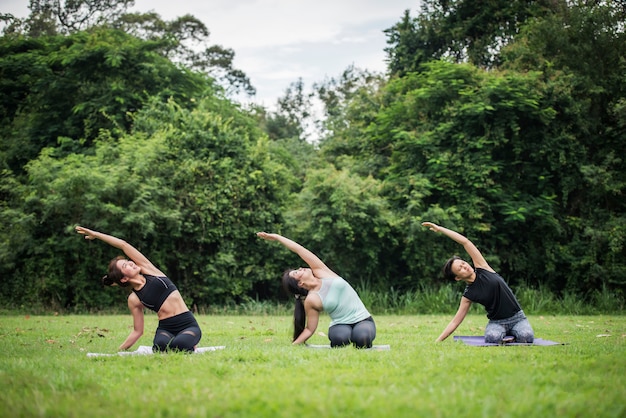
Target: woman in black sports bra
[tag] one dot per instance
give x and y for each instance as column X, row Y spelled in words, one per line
column 178, row 328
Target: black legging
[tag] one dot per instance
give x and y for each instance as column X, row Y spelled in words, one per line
column 360, row 334
column 180, row 332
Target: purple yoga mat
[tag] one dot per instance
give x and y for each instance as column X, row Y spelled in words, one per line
column 479, row 340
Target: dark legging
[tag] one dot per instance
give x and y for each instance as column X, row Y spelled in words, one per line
column 180, row 332
column 360, row 334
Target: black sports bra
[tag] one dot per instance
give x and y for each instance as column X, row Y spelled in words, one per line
column 155, row 291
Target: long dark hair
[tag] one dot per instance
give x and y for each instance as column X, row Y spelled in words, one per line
column 299, row 316
column 115, row 275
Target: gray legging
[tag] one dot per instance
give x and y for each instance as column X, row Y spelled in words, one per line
column 517, row 326
column 360, row 334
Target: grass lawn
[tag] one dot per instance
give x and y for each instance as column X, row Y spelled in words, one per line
column 45, row 372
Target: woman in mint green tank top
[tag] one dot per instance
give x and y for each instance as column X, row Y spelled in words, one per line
column 316, row 289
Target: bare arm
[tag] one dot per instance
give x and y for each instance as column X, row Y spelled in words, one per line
column 136, row 310
column 458, row 318
column 477, row 258
column 131, row 252
column 319, row 268
column 312, row 320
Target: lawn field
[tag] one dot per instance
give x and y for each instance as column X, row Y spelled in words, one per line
column 45, row 370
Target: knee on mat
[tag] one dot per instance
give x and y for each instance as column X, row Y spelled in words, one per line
column 362, row 340
column 161, row 341
column 363, row 344
column 339, row 342
column 159, row 348
column 494, row 337
column 524, row 337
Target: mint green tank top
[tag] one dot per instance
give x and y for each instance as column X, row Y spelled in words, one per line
column 341, row 302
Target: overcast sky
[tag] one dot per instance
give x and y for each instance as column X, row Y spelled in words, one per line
column 278, row 41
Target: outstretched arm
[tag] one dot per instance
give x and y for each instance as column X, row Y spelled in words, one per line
column 477, row 258
column 136, row 310
column 131, row 252
column 458, row 318
column 312, row 320
column 319, row 268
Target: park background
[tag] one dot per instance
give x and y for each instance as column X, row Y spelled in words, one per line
column 505, row 122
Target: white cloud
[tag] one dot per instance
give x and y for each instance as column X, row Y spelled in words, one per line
column 258, row 23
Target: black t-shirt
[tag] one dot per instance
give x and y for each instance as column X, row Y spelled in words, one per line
column 491, row 291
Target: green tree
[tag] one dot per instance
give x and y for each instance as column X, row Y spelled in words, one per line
column 472, row 144
column 459, row 30
column 73, row 86
column 351, row 103
column 344, row 219
column 178, row 38
column 187, row 187
column 528, row 155
column 292, row 115
column 581, row 53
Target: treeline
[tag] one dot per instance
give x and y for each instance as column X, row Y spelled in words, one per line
column 507, row 123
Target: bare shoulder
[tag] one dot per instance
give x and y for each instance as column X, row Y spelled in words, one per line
column 313, row 301
column 133, row 300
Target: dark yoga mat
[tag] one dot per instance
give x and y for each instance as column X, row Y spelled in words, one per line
column 479, row 340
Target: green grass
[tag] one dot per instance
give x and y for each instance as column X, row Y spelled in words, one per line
column 44, row 371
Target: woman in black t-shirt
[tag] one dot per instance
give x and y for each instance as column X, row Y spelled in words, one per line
column 484, row 286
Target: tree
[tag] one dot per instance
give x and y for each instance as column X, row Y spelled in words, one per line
column 581, row 54
column 472, row 144
column 188, row 187
column 338, row 95
column 184, row 34
column 458, row 30
column 178, row 38
column 76, row 15
column 345, row 220
column 529, row 154
column 73, row 86
column 292, row 116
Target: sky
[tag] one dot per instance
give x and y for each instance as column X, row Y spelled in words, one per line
column 277, row 42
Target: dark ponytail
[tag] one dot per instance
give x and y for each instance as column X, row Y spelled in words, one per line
column 115, row 275
column 299, row 316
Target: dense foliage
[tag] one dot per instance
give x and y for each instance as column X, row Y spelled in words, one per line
column 505, row 123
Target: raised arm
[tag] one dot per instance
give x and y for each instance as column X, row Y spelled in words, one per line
column 131, row 252
column 477, row 258
column 317, row 266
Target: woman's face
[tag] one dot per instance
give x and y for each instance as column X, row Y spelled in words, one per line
column 462, row 270
column 300, row 274
column 128, row 268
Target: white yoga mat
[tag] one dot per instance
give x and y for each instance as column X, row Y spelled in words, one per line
column 384, row 347
column 145, row 350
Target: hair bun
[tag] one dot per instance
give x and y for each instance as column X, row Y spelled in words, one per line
column 106, row 281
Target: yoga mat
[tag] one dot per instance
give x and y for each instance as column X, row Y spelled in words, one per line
column 145, row 350
column 385, row 347
column 479, row 341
